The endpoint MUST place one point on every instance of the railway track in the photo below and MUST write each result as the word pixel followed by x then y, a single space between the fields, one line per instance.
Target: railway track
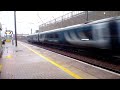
pixel 103 60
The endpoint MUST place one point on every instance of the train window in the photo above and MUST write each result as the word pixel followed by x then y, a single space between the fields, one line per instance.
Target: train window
pixel 86 33
pixel 76 32
pixel 47 35
pixel 56 35
pixel 42 36
pixel 69 34
pixel 51 36
pixel 118 23
pixel 113 29
pixel 39 36
pixel 105 30
pixel 101 30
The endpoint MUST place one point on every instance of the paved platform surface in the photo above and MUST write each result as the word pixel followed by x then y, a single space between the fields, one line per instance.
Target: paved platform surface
pixel 21 63
pixel 30 62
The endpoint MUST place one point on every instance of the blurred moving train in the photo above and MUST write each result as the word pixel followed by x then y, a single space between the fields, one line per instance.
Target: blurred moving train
pixel 101 34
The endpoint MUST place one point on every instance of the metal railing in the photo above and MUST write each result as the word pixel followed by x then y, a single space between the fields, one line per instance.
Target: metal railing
pixel 76 17
pixel 62 18
pixel 67 16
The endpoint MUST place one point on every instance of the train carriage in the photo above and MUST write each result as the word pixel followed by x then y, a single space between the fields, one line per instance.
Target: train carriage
pixel 101 34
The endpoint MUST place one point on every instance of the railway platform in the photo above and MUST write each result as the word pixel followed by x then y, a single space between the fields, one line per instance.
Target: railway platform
pixel 31 62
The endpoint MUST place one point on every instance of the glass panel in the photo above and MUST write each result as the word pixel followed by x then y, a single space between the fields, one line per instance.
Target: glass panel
pixel 86 33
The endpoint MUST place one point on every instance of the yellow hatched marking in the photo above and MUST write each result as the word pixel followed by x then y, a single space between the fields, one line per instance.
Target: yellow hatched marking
pixel 0 67
pixel 54 63
pixel 9 57
pixel 8 40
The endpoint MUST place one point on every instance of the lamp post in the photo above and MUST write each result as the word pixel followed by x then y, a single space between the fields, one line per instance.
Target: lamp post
pixel 31 30
pixel 87 16
pixel 15 28
pixel 29 23
pixel 32 27
pixel 12 38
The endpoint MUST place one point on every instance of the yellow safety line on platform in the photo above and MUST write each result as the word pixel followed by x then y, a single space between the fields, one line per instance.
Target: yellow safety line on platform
pixel 54 63
pixel 0 67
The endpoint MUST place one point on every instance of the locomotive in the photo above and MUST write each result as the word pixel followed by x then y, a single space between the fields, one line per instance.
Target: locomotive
pixel 100 34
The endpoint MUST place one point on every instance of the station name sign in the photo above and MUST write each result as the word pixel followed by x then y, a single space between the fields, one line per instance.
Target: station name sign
pixel 8 32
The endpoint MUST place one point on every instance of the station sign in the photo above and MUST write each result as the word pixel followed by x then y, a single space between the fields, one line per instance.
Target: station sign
pixel 8 32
